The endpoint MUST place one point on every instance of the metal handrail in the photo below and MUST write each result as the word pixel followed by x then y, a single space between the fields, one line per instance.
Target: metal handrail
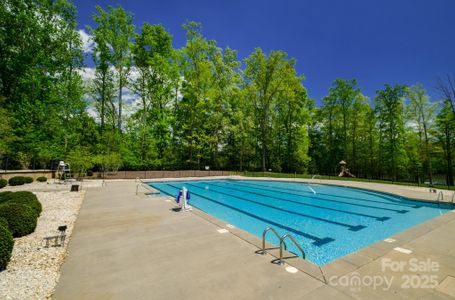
pixel 314 176
pixel 440 198
pixel 288 235
pixel 263 252
pixel 144 185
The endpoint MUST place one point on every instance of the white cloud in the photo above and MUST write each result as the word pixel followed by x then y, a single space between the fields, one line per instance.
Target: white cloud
pixel 87 41
pixel 87 74
pixel 130 99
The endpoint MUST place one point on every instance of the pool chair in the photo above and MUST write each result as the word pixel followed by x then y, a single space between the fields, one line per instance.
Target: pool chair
pixel 182 200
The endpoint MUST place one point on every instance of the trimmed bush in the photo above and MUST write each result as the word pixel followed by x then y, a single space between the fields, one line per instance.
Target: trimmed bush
pixel 25 198
pixel 3 183
pixel 3 222
pixel 21 218
pixel 41 179
pixel 4 196
pixel 28 179
pixel 16 180
pixel 6 246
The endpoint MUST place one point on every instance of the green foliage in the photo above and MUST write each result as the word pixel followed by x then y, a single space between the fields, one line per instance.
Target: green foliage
pixel 390 110
pixel 342 122
pixel 16 180
pixel 158 78
pixel 421 112
pixel 41 179
pixel 197 106
pixel 6 245
pixel 280 109
pixel 21 218
pixel 80 160
pixel 445 123
pixel 3 222
pixel 4 196
pixel 3 182
pixel 20 180
pixel 25 198
pixel 108 162
pixel 114 34
pixel 40 86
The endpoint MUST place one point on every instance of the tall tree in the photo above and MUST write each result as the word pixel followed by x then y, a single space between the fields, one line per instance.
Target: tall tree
pixel 447 88
pixel 240 146
pixel 225 88
pixel 291 124
pixel 359 134
pixel 345 92
pixel 103 84
pixel 445 122
pixel 116 26
pixel 328 116
pixel 390 113
pixel 421 111
pixel 39 78
pixel 264 76
pixel 191 110
pixel 154 59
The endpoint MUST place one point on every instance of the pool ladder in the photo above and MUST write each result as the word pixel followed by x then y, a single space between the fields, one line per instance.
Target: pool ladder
pixel 440 197
pixel 143 184
pixel 282 243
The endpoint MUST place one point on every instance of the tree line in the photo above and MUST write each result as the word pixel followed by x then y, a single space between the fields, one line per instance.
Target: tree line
pixel 199 105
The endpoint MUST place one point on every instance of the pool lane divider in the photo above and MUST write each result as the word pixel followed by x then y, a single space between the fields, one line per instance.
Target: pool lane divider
pixel 350 227
pixel 347 197
pixel 335 201
pixel 306 204
pixel 317 241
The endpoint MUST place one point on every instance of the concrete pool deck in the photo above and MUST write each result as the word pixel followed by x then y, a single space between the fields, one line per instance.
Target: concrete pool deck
pixel 128 246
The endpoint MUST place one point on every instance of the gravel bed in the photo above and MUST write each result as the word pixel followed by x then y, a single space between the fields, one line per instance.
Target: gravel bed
pixel 34 269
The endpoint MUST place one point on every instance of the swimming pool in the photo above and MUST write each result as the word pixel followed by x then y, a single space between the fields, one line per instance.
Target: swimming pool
pixel 327 221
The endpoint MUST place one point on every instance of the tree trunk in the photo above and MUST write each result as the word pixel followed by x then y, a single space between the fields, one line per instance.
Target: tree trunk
pixel 450 178
pixel 119 121
pixel 103 101
pixel 427 150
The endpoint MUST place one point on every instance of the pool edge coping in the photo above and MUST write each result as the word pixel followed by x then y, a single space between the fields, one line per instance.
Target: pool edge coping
pixel 339 266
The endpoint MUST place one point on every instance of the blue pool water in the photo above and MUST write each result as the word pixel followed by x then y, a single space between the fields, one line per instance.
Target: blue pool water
pixel 327 221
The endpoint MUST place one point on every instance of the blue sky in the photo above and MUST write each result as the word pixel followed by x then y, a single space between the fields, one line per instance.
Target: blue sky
pixel 374 41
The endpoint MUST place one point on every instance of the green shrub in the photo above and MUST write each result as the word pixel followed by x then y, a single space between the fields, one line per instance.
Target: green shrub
pixel 4 196
pixel 21 218
pixel 3 183
pixel 3 222
pixel 28 179
pixel 6 246
pixel 41 179
pixel 25 198
pixel 16 180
